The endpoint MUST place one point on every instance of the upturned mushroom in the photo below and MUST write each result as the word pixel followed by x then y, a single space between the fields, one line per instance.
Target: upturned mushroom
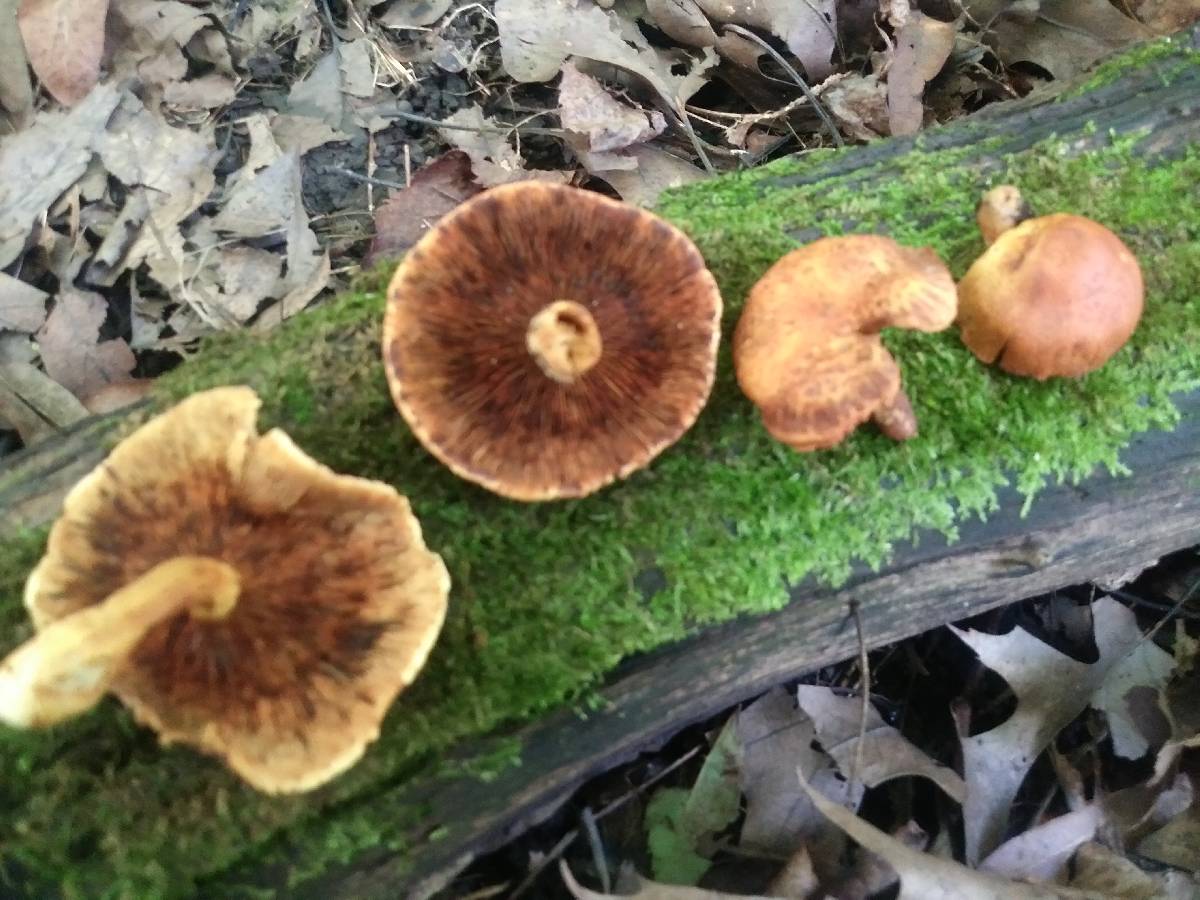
pixel 235 594
pixel 807 349
pixel 1053 295
pixel 544 341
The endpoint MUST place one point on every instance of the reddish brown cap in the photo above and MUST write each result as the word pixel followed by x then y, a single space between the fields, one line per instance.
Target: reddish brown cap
pixel 807 348
pixel 1057 295
pixel 327 601
pixel 544 341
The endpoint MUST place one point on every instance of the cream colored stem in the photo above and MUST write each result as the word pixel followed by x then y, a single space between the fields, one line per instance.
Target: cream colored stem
pixel 897 420
pixel 66 667
pixel 564 340
pixel 1001 208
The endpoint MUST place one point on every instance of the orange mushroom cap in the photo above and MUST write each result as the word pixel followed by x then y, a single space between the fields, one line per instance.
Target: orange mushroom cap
pixel 807 349
pixel 1057 295
pixel 544 341
pixel 244 598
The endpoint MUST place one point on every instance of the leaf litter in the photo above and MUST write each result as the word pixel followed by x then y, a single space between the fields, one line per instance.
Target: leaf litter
pixel 139 170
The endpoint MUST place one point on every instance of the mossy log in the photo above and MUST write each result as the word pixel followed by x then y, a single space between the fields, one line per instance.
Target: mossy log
pixel 584 631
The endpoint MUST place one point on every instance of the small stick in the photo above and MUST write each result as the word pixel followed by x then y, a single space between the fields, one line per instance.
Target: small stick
pixel 864 666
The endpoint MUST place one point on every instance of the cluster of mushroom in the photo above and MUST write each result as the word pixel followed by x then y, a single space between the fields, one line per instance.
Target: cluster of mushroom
pixel 543 342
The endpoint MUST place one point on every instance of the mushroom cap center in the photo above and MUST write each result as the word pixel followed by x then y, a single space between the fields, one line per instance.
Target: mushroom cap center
pixel 564 340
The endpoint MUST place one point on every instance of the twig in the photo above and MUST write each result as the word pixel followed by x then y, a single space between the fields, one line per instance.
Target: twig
pixel 864 667
pixel 681 112
pixel 795 76
pixel 366 179
pixel 481 129
pixel 593 835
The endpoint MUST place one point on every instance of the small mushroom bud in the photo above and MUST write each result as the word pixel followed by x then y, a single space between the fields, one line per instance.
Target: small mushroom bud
pixel 1055 295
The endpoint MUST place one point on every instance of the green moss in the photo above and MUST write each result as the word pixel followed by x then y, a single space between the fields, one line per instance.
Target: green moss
pixel 1174 52
pixel 545 600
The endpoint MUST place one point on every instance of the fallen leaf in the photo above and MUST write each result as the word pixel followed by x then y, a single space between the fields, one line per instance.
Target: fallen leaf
pixel 809 28
pixel 869 874
pixel 537 37
pixel 587 109
pixel 656 171
pixel 413 13
pixel 858 103
pixel 996 761
pixel 884 752
pixel 357 67
pixel 33 404
pixel 1168 16
pixel 922 47
pixel 22 306
pixel 923 876
pixel 1176 843
pixel 1098 869
pixel 261 203
pixel 1135 679
pixel 797 878
pixel 673 855
pixel 38 164
pixel 147 40
pixel 633 885
pixel 776 737
pixel 64 40
pixel 682 20
pixel 71 349
pixel 118 395
pixel 1040 853
pixel 303 133
pixel 493 159
pixel 203 92
pixel 16 87
pixel 319 95
pixel 436 189
pixel 1065 36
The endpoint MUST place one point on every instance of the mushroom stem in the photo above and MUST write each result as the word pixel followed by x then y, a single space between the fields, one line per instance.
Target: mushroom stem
pixel 897 420
pixel 1001 208
pixel 564 340
pixel 67 667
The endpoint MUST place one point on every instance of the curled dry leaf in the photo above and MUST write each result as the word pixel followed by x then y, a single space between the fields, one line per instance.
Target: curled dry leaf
pixel 64 40
pixel 923 876
pixel 72 351
pixel 996 761
pixel 435 190
pixel 885 753
pixel 859 103
pixel 922 47
pixel 809 28
pixel 603 122
pixel 1042 852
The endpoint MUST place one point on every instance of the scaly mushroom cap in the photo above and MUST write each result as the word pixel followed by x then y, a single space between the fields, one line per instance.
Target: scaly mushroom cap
pixel 1056 295
pixel 340 601
pixel 544 341
pixel 807 350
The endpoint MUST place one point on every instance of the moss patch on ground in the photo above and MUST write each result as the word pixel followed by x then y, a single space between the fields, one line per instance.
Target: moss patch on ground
pixel 544 599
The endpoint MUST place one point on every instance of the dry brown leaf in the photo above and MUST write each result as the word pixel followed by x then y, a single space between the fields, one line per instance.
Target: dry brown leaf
pixel 357 67
pixel 1098 869
pixel 64 40
pixel 630 884
pixel 808 27
pixel 656 171
pixel 22 306
pixel 38 164
pixel 260 203
pixel 858 103
pixel 72 351
pixel 1064 36
pixel 870 874
pixel 1040 853
pixel 603 123
pixel 1177 843
pixel 683 21
pixel 147 40
pixel 922 47
pixel 1168 16
pixel 435 190
pixel 302 133
pixel 1134 682
pixel 204 92
pixel 922 875
pixel 797 879
pixel 493 159
pixel 884 754
pixel 319 94
pixel 32 403
pixel 996 761
pixel 16 87
pixel 537 37
pixel 776 737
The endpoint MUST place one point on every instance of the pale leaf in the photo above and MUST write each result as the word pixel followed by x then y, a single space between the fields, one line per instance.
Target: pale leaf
pixel 72 352
pixel 587 109
pixel 922 47
pixel 922 875
pixel 34 404
pixel 22 306
pixel 64 40
pixel 16 87
pixel 884 754
pixel 656 171
pixel 808 27
pixel 1098 869
pixel 1040 853
pixel 633 885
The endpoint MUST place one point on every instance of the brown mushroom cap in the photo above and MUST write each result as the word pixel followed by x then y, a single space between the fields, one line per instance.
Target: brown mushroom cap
pixel 338 600
pixel 807 350
pixel 544 341
pixel 1057 295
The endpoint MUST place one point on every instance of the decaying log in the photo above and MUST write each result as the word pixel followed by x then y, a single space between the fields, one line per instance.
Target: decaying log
pixel 1071 532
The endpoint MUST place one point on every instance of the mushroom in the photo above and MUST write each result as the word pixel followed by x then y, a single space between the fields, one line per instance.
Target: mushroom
pixel 544 341
pixel 807 350
pixel 235 594
pixel 1055 295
